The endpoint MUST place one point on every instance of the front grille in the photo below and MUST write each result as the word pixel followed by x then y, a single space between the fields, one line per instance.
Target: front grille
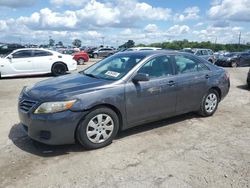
pixel 26 105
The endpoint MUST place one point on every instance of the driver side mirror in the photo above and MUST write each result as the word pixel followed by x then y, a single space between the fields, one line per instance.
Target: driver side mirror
pixel 140 77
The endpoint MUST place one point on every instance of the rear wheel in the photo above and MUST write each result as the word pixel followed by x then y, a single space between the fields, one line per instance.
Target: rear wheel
pixel 80 61
pixel 59 69
pixel 98 129
pixel 209 103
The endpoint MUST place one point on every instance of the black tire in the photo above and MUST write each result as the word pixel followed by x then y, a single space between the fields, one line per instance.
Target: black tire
pixel 95 56
pixel 203 110
pixel 59 69
pixel 81 132
pixel 234 64
pixel 80 61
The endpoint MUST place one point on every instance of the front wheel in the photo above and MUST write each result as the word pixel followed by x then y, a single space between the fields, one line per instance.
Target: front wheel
pixel 95 56
pixel 234 64
pixel 209 103
pixel 98 128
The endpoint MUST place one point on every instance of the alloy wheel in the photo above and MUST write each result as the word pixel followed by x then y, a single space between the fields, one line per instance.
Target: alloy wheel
pixel 100 128
pixel 211 102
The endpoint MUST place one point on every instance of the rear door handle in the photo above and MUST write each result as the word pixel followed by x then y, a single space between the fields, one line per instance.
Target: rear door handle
pixel 207 76
pixel 171 83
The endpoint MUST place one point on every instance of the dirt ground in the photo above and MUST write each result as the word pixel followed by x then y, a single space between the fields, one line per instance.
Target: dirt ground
pixel 185 151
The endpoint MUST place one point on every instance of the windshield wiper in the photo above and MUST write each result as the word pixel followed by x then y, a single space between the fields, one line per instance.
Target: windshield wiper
pixel 90 75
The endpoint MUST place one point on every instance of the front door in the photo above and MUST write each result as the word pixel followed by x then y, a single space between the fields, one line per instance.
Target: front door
pixel 153 99
pixel 21 62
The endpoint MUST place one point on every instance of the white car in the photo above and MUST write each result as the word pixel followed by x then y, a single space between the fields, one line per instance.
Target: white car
pixel 32 61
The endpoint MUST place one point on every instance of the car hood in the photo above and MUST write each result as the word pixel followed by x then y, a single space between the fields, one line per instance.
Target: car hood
pixel 66 87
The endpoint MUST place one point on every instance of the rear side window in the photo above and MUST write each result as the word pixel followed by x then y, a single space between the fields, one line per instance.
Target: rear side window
pixel 187 65
pixel 40 53
pixel 157 67
pixel 204 52
pixel 22 54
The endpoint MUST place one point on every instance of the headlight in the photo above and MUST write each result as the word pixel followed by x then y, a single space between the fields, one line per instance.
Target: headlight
pixel 53 107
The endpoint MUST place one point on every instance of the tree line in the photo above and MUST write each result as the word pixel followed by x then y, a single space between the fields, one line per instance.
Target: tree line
pixel 180 44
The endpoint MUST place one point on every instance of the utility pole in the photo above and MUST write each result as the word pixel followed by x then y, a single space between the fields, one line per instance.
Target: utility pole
pixel 102 41
pixel 239 38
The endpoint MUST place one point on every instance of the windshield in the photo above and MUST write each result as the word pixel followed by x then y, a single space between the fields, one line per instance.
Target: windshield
pixel 114 67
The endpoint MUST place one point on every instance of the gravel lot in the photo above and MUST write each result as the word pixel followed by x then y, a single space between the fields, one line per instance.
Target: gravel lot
pixel 185 151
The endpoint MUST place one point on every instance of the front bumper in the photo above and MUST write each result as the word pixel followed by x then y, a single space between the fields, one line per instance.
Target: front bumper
pixel 53 129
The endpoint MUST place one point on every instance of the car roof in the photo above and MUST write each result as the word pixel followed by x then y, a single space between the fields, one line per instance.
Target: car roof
pixel 139 48
pixel 151 52
pixel 20 49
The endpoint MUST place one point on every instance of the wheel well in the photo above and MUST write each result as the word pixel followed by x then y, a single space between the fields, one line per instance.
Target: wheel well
pixel 116 110
pixel 60 63
pixel 210 60
pixel 218 90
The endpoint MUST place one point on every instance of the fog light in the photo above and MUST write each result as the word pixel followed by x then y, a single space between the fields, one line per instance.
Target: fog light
pixel 45 135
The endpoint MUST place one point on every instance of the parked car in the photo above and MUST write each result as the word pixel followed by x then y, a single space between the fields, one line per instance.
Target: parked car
pixel 206 54
pixel 120 92
pixel 142 48
pixel 8 48
pixel 227 60
pixel 90 51
pixel 103 52
pixel 187 50
pixel 243 59
pixel 30 61
pixel 248 79
pixel 81 57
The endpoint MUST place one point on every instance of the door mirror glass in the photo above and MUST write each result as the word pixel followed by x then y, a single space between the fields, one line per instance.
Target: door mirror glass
pixel 141 77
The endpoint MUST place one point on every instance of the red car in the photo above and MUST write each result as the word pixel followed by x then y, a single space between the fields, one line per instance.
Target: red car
pixel 81 57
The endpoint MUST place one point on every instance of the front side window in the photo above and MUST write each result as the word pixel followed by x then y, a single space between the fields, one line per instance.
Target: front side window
pixel 204 52
pixel 198 53
pixel 114 67
pixel 157 67
pixel 186 65
pixel 22 54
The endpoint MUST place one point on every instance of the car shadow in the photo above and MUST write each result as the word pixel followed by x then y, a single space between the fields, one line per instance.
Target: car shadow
pixel 21 140
pixel 244 87
pixel 157 124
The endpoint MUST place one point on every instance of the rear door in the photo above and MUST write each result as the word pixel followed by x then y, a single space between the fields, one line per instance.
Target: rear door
pixel 192 78
pixel 42 60
pixel 153 99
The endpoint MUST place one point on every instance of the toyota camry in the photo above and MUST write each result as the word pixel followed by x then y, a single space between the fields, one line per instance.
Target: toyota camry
pixel 122 91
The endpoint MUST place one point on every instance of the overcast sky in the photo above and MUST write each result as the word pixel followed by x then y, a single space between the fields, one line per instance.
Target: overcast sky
pixel 144 21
